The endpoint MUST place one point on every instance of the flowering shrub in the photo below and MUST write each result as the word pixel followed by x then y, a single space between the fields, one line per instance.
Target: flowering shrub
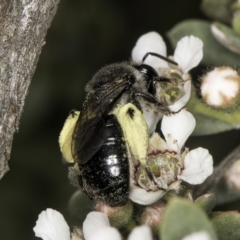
pixel 165 199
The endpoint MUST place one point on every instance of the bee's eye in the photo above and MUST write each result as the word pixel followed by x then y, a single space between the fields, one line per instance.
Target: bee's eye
pixel 149 74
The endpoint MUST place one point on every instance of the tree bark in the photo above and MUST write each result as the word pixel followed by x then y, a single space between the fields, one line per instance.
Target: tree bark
pixel 23 27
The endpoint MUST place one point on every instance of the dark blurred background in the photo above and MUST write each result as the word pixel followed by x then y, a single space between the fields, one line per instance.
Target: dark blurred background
pixel 84 36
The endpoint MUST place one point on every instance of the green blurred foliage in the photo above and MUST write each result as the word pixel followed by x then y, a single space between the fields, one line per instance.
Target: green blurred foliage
pixel 217 9
pixel 227 225
pixel 84 36
pixel 183 218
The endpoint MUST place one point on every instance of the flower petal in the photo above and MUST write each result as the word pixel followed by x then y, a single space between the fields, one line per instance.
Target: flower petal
pixel 176 129
pixel 105 233
pixel 178 105
pixel 150 42
pixel 141 196
pixel 141 233
pixel 93 222
pixel 152 118
pixel 51 225
pixel 198 236
pixel 198 165
pixel 188 53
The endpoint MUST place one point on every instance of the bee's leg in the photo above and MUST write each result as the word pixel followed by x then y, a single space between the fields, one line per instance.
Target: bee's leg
pixel 162 79
pixel 132 99
pixel 150 98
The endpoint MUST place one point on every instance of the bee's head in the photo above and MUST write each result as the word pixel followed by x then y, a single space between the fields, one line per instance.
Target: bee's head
pixel 149 74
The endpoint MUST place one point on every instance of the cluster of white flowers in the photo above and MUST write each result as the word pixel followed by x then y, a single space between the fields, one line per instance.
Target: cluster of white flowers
pixel 195 165
pixel 51 225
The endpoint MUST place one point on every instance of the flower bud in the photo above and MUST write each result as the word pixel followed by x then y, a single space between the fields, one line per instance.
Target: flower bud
pixel 152 216
pixel 232 175
pixel 118 216
pixel 220 87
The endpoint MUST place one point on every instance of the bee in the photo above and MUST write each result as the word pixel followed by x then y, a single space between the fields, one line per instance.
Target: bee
pixel 121 109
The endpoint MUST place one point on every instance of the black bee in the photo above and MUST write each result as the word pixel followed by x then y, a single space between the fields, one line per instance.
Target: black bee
pixel 99 145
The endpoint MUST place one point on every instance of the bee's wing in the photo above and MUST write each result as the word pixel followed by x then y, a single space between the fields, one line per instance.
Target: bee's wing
pixel 89 133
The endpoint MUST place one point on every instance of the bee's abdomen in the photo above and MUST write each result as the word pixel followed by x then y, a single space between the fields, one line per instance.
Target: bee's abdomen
pixel 106 175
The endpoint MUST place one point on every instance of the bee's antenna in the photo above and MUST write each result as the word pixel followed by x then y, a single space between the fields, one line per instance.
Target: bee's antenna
pixel 160 56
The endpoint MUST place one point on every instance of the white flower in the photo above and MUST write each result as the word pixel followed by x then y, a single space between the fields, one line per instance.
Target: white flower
pixel 198 163
pixel 51 226
pixel 96 227
pixel 220 87
pixel 188 54
pixel 198 236
pixel 174 163
pixel 144 197
pixel 141 233
pixel 150 42
pixel 176 129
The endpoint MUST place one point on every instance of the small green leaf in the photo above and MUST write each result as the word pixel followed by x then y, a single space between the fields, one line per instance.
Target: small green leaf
pixel 79 206
pixel 236 22
pixel 217 9
pixel 182 218
pixel 206 125
pixel 226 36
pixel 227 225
pixel 207 202
pixel 213 52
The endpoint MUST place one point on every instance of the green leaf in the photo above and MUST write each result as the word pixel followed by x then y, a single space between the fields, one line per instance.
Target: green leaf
pixel 226 36
pixel 206 125
pixel 213 52
pixel 182 218
pixel 227 225
pixel 217 9
pixel 207 202
pixel 79 206
pixel 236 22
